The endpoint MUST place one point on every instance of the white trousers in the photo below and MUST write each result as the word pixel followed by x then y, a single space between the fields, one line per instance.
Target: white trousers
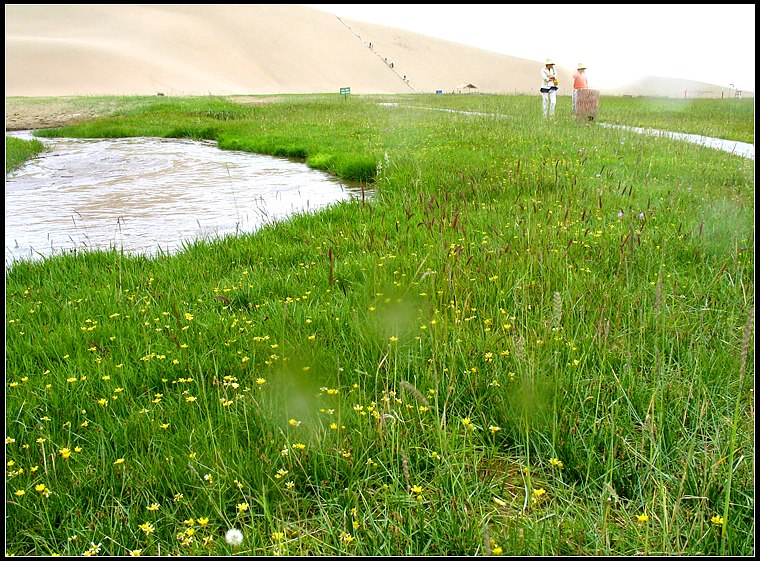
pixel 575 98
pixel 549 102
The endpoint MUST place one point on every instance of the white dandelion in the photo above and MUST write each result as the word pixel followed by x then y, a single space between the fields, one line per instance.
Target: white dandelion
pixel 234 537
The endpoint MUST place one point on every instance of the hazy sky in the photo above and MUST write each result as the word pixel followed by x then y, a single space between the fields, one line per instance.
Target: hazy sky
pixel 713 43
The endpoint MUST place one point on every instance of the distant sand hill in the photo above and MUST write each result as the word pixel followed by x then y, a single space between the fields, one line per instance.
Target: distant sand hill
pixel 180 49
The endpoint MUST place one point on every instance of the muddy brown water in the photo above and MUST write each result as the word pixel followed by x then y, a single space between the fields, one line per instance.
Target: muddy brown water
pixel 149 195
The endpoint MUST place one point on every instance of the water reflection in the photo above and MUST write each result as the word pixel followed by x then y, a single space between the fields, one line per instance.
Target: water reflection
pixel 148 194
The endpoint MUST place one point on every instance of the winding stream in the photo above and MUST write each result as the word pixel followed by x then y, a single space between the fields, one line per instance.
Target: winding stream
pixel 150 195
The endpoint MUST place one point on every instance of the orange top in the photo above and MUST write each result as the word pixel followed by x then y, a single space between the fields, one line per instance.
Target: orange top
pixel 579 80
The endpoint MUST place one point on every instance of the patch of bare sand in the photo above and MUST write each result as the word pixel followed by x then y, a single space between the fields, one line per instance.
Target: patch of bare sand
pixel 22 116
pixel 27 113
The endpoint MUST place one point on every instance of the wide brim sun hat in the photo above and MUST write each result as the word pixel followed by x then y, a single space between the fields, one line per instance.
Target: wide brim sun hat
pixel 581 66
pixel 549 61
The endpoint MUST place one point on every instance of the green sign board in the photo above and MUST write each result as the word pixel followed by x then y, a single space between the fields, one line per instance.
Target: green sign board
pixel 345 91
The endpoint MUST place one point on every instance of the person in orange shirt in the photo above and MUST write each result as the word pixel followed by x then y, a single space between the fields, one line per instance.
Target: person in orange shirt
pixel 579 82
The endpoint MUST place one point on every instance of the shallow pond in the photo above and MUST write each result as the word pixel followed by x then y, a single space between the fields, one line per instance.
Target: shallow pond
pixel 146 195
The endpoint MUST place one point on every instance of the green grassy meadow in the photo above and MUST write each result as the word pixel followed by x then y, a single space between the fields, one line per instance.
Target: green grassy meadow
pixel 533 339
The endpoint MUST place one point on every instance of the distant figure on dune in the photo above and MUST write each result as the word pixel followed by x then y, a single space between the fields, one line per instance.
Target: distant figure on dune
pixel 580 81
pixel 549 87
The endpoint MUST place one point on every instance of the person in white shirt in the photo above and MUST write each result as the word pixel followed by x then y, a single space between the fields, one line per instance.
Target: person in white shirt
pixel 549 88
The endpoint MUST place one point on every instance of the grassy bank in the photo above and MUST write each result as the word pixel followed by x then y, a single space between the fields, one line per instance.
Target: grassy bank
pixel 730 119
pixel 534 340
pixel 18 151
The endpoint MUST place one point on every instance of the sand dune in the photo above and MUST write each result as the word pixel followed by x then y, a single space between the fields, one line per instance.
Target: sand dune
pixel 179 49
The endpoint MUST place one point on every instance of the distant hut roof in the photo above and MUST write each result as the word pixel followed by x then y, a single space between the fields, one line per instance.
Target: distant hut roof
pixel 467 87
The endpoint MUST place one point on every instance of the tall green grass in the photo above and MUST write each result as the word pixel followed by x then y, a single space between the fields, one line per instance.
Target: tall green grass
pixel 730 119
pixel 19 151
pixel 533 340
